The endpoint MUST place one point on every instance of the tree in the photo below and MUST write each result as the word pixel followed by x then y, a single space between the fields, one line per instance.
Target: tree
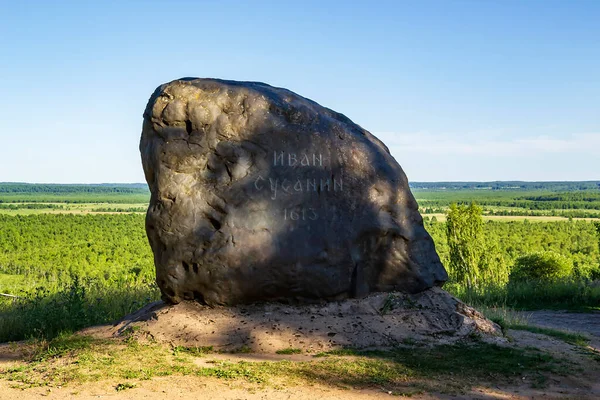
pixel 545 266
pixel 464 230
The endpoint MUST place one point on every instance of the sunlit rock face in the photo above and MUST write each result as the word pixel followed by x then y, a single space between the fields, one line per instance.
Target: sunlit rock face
pixel 259 194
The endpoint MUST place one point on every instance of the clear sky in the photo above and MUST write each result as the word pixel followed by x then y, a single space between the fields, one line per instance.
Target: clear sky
pixel 459 90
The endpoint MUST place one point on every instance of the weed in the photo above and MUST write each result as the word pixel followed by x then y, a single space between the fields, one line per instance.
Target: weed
pixel 388 304
pixel 197 351
pixel 289 351
pixel 124 386
pixel 61 345
pixel 242 350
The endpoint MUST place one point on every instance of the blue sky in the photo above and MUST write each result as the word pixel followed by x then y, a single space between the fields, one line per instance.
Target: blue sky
pixel 459 90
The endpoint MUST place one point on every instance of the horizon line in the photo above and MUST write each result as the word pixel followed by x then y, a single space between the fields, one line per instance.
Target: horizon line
pixel 409 181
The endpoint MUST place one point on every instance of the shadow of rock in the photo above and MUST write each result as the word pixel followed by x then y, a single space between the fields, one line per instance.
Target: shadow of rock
pixel 381 320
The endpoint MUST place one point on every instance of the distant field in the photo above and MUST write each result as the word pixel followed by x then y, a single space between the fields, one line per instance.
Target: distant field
pixel 543 201
pixel 74 197
pixel 71 208
pixel 442 218
pixel 501 205
pixel 57 193
pixel 499 186
pixel 534 200
pixel 27 199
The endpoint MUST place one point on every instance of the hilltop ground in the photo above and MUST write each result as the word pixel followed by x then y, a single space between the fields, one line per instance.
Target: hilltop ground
pixel 157 353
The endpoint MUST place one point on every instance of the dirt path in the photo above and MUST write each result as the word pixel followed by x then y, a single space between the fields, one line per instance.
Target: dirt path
pixel 585 323
pixel 189 387
pixel 177 387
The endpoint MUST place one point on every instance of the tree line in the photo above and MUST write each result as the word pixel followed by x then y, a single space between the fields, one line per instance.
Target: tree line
pixel 560 258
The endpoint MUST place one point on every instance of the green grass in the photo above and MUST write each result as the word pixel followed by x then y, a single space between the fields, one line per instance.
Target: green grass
pixel 61 345
pixel 10 283
pixel 44 314
pixel 504 317
pixel 447 368
pixel 568 337
pixel 570 295
pixel 197 351
pixel 508 319
pixel 242 350
pixel 289 350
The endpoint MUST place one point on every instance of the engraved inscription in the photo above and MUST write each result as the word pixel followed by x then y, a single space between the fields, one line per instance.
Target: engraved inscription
pixel 292 186
pixel 283 159
pixel 298 186
pixel 300 214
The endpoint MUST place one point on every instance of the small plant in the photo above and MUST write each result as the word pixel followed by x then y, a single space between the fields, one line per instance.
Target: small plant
pixel 346 351
pixel 124 386
pixel 243 349
pixel 289 351
pixel 504 317
pixel 194 350
pixel 388 305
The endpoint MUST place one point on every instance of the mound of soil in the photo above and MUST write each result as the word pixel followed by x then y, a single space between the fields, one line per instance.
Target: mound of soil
pixel 377 321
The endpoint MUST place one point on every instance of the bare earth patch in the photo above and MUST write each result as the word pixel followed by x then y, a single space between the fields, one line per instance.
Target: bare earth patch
pixel 194 388
pixel 437 348
pixel 380 320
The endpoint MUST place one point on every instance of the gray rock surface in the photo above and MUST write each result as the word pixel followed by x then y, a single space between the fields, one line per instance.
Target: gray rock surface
pixel 260 194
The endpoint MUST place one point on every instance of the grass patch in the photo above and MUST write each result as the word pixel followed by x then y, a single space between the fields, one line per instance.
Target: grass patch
pixel 508 319
pixel 504 317
pixel 569 337
pixel 45 314
pixel 60 346
pixel 478 359
pixel 448 368
pixel 197 351
pixel 242 350
pixel 289 351
pixel 570 295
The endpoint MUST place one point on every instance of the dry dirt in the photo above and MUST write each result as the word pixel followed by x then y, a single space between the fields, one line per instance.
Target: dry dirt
pixel 377 321
pixel 196 388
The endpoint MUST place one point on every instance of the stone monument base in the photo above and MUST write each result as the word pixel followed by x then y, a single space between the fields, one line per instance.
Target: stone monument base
pixel 381 320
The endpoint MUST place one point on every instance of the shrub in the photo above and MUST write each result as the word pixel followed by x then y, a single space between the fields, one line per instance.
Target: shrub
pixel 544 266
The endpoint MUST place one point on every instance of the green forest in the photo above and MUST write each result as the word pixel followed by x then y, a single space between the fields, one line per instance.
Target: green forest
pixel 75 193
pixel 84 266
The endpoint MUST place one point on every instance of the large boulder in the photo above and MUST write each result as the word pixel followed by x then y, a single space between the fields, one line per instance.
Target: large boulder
pixel 260 194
